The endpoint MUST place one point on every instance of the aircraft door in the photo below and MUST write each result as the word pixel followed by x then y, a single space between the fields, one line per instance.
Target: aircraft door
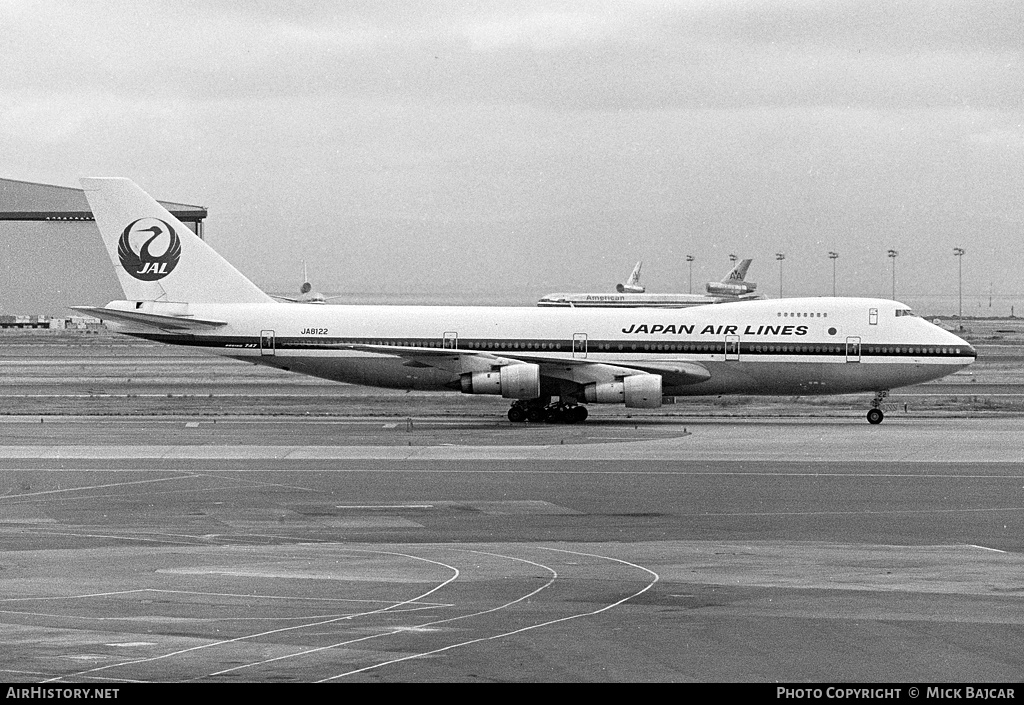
pixel 579 345
pixel 266 342
pixel 853 349
pixel 450 340
pixel 732 347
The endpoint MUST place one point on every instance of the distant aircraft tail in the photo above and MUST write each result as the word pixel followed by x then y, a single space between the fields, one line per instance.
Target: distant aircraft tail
pixel 156 257
pixel 632 285
pixel 734 284
pixel 737 273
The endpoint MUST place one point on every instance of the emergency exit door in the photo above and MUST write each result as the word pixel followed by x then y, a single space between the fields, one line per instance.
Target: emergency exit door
pixel 579 345
pixel 266 342
pixel 853 349
pixel 732 347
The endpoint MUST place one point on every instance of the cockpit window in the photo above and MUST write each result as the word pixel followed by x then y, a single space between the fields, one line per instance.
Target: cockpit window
pixel 904 312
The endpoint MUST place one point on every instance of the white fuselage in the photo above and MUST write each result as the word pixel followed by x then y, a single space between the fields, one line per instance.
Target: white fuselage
pixel 628 300
pixel 778 346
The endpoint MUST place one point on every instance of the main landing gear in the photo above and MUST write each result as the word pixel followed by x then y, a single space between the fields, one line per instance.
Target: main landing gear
pixel 875 414
pixel 552 413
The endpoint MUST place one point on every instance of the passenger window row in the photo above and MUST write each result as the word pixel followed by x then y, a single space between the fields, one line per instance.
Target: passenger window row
pixel 600 346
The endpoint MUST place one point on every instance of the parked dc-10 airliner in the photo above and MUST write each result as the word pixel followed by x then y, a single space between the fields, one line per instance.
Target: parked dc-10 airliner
pixel 550 362
pixel 733 287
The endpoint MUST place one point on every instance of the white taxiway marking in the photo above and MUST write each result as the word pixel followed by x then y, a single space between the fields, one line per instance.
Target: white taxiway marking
pixel 383 506
pixel 417 627
pixel 986 548
pixel 289 598
pixel 74 597
pixel 524 629
pixel 97 487
pixel 282 629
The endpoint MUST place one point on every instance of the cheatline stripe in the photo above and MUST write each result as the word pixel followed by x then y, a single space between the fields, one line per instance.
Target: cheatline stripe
pixel 594 346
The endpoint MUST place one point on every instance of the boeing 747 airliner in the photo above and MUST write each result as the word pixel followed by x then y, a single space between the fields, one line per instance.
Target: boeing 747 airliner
pixel 550 362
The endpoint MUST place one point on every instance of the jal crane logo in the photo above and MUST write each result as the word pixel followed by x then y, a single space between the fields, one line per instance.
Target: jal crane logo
pixel 143 264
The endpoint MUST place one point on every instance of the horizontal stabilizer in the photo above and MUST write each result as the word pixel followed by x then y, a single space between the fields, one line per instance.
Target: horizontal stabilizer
pixel 153 320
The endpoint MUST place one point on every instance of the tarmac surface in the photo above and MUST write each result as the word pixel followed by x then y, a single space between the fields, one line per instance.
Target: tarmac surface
pixel 464 548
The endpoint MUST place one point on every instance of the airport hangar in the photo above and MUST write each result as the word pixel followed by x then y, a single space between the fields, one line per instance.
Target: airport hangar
pixel 48 229
pixel 24 201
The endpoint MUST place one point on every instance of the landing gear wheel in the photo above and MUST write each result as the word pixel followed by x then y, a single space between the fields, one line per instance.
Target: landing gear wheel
pixel 556 414
pixel 875 416
pixel 536 414
pixel 516 414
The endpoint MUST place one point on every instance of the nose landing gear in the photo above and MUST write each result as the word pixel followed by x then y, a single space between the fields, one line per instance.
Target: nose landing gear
pixel 875 414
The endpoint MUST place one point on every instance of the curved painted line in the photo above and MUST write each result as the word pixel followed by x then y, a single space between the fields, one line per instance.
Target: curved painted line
pixel 277 631
pixel 402 630
pixel 524 629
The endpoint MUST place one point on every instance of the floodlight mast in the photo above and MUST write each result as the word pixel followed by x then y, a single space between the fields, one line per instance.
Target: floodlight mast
pixel 959 253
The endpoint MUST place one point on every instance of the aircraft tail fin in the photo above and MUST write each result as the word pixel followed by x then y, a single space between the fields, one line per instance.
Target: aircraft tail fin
pixel 632 285
pixel 156 257
pixel 634 278
pixel 737 273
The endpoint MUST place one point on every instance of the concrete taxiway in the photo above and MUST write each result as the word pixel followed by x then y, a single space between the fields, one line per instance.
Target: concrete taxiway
pixel 464 549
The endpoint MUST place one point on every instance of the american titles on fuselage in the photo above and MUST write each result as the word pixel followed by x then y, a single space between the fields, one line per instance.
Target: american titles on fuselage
pixel 689 329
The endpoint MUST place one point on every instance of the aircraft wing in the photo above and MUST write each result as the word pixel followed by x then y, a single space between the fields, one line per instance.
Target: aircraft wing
pixel 674 373
pixel 152 320
pixel 581 371
pixel 452 360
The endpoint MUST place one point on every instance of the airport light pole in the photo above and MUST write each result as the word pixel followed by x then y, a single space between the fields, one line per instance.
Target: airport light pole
pixel 690 258
pixel 779 256
pixel 959 252
pixel 892 256
pixel 733 258
pixel 833 256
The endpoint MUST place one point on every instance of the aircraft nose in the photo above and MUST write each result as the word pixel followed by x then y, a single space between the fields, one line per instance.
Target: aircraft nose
pixel 965 348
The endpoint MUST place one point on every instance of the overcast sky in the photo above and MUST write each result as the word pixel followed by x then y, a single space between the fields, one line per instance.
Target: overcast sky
pixel 503 150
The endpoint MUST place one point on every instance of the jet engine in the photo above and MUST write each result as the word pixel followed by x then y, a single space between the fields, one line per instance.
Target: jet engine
pixel 731 289
pixel 511 381
pixel 635 391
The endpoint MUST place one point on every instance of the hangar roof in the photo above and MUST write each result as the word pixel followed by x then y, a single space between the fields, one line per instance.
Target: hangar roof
pixel 24 200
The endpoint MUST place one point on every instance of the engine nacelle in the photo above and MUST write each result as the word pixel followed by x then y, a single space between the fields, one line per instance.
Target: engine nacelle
pixel 605 393
pixel 731 289
pixel 635 391
pixel 630 289
pixel 511 381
